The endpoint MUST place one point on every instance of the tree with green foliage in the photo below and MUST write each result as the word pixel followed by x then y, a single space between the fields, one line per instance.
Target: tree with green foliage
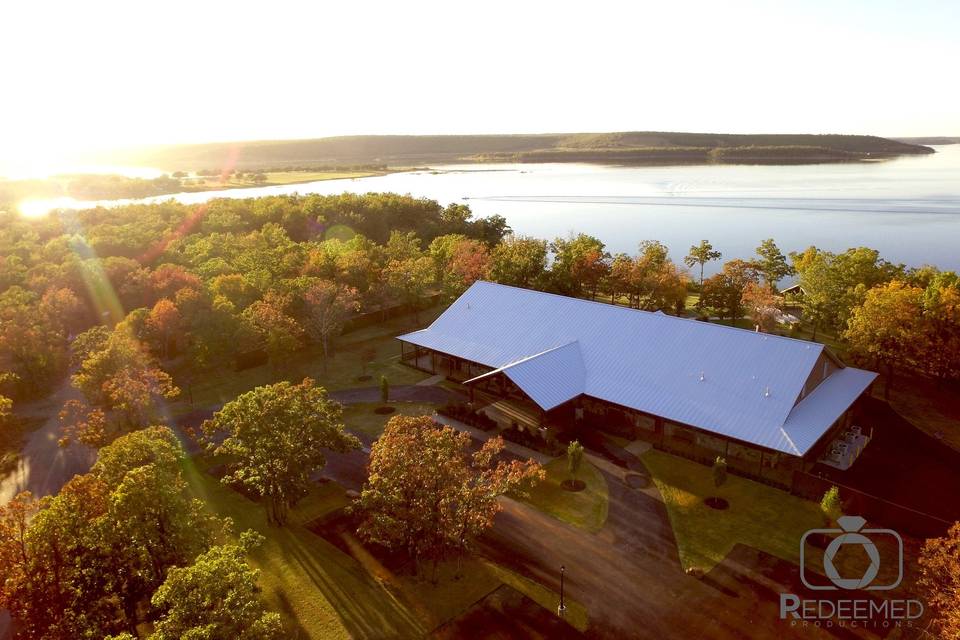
pixel 771 264
pixel 215 597
pixel 409 280
pixel 520 261
pixel 579 264
pixel 835 284
pixel 719 471
pixel 888 327
pixel 81 563
pixel 274 438
pixel 701 254
pixel 831 506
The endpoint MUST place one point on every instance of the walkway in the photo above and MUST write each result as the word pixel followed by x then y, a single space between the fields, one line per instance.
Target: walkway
pixel 44 466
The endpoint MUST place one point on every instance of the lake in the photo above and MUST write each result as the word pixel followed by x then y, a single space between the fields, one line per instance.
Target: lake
pixel 908 208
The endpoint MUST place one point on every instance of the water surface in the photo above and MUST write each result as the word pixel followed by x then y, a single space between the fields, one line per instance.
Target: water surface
pixel 908 208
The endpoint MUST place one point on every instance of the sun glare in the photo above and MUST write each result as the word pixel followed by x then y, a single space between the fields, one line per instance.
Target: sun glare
pixel 39 208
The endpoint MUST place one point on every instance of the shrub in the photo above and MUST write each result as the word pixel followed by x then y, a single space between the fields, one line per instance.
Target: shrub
pixel 830 505
pixel 719 471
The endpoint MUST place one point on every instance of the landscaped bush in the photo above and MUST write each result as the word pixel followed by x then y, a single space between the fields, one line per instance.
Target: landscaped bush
pixel 465 414
pixel 533 441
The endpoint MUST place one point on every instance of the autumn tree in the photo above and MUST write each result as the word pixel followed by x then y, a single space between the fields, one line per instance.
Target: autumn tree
pixel 427 495
pixel 700 255
pixel 723 292
pixel 888 327
pixel 80 564
pixel 940 580
pixel 276 328
pixel 274 438
pixel 762 305
pixel 163 325
pixel 215 597
pixel 328 306
pixel 469 262
pixel 122 380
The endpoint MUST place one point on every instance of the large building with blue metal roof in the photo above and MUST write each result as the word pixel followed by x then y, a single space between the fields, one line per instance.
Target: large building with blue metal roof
pixel 680 382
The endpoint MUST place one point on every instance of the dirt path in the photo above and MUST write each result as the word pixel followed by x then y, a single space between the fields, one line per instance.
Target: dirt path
pixel 44 467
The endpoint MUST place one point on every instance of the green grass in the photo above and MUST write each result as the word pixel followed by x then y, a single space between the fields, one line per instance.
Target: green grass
pixel 360 418
pixel 323 593
pixel 759 516
pixel 586 509
pixel 576 613
pixel 320 592
pixel 341 372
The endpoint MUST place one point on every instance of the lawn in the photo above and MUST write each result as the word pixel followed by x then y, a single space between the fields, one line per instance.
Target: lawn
pixel 586 509
pixel 759 516
pixel 347 364
pixel 360 418
pixel 322 592
pixel 319 592
pixel 576 613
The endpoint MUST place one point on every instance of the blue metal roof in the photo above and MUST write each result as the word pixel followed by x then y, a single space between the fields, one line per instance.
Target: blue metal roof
pixel 549 378
pixel 732 382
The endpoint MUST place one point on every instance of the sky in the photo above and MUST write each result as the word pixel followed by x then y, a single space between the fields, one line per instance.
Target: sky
pixel 101 74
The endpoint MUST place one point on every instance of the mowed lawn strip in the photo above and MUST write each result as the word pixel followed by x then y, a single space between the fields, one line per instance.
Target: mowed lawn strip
pixel 320 592
pixel 758 516
pixel 576 613
pixel 585 509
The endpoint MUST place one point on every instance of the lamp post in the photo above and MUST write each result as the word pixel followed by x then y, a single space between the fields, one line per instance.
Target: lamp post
pixel 562 608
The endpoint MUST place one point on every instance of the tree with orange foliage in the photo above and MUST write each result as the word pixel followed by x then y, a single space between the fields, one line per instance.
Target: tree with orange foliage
pixel 940 579
pixel 163 324
pixel 761 304
pixel 427 495
pixel 278 330
pixel 121 381
pixel 328 305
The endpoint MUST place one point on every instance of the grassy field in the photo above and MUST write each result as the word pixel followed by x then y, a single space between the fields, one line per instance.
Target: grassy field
pixel 759 516
pixel 323 593
pixel 360 418
pixel 586 509
pixel 279 177
pixel 341 372
pixel 319 592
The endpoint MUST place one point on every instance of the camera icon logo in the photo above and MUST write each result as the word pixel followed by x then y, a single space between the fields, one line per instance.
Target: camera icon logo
pixel 851 532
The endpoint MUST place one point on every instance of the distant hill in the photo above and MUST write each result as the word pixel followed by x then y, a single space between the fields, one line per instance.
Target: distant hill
pixel 627 147
pixel 930 140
